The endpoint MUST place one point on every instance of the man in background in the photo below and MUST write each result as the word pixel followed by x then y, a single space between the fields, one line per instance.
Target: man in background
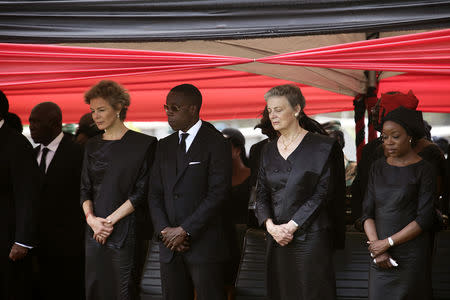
pixel 60 253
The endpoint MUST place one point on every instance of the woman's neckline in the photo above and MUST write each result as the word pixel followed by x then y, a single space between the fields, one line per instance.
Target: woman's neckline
pixel 293 151
pixel 411 164
pixel 126 132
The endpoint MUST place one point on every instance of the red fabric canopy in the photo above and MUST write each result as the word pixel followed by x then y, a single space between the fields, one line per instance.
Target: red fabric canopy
pixel 22 64
pixel 227 95
pixel 30 74
pixel 427 52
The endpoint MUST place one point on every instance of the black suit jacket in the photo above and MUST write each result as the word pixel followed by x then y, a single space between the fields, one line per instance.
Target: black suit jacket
pixel 61 221
pixel 195 197
pixel 18 191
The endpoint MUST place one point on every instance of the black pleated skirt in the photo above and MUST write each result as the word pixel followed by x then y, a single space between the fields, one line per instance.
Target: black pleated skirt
pixel 111 273
pixel 301 270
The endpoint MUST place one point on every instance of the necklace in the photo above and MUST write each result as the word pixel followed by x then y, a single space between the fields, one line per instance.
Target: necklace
pixel 292 140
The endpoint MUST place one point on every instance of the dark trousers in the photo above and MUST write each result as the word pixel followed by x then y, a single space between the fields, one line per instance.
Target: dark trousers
pixel 179 278
pixel 60 277
pixel 16 281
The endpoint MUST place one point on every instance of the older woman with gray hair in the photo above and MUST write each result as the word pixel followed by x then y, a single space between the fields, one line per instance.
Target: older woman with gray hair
pixel 300 198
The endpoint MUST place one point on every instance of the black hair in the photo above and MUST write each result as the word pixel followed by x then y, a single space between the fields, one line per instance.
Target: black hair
pixel 190 93
pixel 237 139
pixel 266 126
pixel 13 121
pixel 4 105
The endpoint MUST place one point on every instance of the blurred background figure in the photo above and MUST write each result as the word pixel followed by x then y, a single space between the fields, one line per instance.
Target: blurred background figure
pixel 86 129
pixel 240 175
pixel 442 143
pixel 254 159
pixel 333 128
pixel 240 194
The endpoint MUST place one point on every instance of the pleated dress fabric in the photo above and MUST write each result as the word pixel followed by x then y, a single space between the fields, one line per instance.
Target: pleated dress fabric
pixel 298 186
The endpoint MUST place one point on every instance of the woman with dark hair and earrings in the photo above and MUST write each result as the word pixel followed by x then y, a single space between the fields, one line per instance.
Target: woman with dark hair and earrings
pixel 114 183
pixel 398 212
pixel 300 200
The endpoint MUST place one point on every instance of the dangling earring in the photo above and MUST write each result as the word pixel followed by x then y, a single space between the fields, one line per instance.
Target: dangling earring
pixel 296 114
pixel 410 141
pixel 118 115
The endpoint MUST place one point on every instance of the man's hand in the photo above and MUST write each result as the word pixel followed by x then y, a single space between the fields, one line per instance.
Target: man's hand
pixel 17 252
pixel 173 237
pixel 183 247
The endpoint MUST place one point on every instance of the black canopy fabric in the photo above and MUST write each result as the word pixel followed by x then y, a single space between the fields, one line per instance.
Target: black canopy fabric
pixel 143 20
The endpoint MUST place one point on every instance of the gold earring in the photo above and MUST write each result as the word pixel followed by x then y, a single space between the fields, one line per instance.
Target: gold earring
pixel 296 114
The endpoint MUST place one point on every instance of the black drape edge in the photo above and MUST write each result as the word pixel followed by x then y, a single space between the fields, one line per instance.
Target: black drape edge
pixel 143 21
pixel 280 32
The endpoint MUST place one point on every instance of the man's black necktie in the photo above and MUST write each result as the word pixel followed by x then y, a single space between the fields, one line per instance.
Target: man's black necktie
pixel 181 152
pixel 43 163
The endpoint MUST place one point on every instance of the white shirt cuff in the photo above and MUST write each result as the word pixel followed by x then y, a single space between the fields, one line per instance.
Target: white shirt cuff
pixel 295 223
pixel 26 246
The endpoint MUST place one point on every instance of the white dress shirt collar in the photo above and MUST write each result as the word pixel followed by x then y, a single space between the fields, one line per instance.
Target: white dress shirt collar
pixel 53 146
pixel 192 133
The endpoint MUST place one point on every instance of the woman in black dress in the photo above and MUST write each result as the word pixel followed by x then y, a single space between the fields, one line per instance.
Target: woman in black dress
pixel 238 206
pixel 113 195
pixel 301 174
pixel 398 213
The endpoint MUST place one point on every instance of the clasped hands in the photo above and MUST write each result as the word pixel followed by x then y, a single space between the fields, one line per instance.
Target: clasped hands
pixel 378 250
pixel 102 228
pixel 282 234
pixel 175 238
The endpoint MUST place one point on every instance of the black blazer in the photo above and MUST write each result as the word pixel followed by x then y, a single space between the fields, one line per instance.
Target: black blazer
pixel 61 220
pixel 195 198
pixel 18 191
pixel 313 194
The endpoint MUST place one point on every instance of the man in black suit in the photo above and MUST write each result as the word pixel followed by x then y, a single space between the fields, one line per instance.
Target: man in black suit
pixel 18 197
pixel 60 228
pixel 189 186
